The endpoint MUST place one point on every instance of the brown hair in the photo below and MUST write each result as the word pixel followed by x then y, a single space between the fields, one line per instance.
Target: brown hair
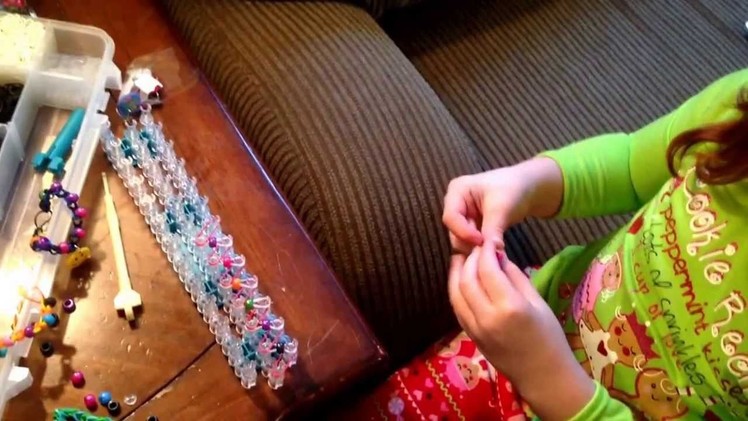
pixel 728 162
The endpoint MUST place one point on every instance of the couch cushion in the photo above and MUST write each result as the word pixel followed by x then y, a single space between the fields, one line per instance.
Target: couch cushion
pixel 355 139
pixel 378 7
pixel 522 76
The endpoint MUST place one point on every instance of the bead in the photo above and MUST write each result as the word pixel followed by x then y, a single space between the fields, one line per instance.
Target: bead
pixel 265 325
pixel 130 400
pixel 128 105
pixel 51 319
pixel 3 352
pixel 212 242
pixel 90 402
pixel 79 232
pixel 68 305
pixel 28 331
pixel 152 418
pixel 55 187
pixel 47 349
pixel 8 342
pixel 64 248
pixel 113 408
pixel 72 198
pixel 45 205
pixel 105 398
pixel 77 379
pixel 81 213
pixel 249 305
pixel 227 262
pixel 236 284
pixel 279 347
pixel 43 194
pixel 50 301
pixel 42 243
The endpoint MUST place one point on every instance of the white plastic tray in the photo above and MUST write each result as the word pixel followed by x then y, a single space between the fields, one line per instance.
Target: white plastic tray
pixel 72 69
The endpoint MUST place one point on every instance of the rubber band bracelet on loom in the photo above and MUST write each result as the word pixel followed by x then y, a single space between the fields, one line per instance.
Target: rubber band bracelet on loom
pixel 41 243
pixel 213 273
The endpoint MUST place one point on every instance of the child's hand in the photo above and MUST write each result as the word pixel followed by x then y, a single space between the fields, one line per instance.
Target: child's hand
pixel 481 207
pixel 499 308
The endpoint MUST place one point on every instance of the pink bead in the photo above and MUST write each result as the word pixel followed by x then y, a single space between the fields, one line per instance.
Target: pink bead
pixel 7 342
pixel 64 248
pixel 77 379
pixel 81 213
pixel 79 232
pixel 90 402
pixel 227 262
pixel 28 331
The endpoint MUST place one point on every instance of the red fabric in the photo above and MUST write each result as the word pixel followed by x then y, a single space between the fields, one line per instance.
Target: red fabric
pixel 452 381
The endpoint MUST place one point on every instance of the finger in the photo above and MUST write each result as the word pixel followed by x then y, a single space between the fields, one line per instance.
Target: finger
pixel 492 278
pixel 518 278
pixel 455 218
pixel 462 311
pixel 493 227
pixel 459 246
pixel 473 293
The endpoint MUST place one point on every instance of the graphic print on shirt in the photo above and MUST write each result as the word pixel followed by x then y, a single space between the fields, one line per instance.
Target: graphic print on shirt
pixel 656 396
pixel 465 367
pixel 601 281
pixel 625 341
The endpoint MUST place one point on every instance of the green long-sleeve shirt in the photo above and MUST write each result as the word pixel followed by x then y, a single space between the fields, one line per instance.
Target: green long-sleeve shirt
pixel 655 311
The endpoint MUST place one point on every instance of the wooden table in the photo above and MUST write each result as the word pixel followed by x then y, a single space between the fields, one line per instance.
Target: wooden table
pixel 169 359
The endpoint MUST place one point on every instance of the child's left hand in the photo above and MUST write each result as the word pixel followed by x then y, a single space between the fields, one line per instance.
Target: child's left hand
pixel 499 308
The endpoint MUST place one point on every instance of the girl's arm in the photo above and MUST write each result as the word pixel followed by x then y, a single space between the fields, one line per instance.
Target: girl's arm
pixel 618 172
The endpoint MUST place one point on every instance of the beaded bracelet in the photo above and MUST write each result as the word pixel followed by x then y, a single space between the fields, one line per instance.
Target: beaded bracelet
pixel 250 334
pixel 77 255
pixel 42 243
pixel 48 319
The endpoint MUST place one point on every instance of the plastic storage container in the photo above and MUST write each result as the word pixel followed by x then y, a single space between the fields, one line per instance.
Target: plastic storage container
pixel 71 68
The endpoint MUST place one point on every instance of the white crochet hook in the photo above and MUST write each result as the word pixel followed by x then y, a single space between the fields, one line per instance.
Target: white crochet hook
pixel 127 298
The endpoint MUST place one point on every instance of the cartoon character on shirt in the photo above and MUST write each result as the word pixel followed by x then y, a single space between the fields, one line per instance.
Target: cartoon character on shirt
pixel 465 366
pixel 625 341
pixel 601 281
pixel 655 397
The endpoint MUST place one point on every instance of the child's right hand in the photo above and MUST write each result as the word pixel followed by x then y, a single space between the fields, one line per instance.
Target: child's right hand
pixel 483 206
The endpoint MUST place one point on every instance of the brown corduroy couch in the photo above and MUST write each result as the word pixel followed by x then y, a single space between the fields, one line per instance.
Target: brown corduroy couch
pixel 363 112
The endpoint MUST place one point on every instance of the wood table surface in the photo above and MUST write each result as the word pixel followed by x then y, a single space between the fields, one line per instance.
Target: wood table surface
pixel 168 359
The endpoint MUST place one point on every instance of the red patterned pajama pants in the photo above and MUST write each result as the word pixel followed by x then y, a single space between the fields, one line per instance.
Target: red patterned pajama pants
pixel 453 381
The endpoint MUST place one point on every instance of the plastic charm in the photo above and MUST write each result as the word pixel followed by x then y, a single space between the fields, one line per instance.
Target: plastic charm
pixel 140 88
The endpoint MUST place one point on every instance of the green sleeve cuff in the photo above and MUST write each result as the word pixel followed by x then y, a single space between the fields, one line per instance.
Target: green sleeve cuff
pixel 603 407
pixel 596 177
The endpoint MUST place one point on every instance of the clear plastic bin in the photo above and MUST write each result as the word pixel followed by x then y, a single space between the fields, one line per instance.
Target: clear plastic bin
pixel 72 69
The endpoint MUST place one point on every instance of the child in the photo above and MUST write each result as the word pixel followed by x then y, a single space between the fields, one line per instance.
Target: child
pixel 652 319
